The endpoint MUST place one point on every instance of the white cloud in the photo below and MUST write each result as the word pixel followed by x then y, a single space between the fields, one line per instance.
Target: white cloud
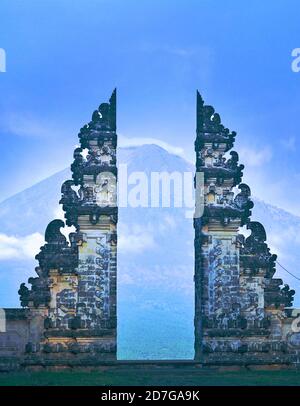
pixel 272 189
pixel 126 279
pixel 255 157
pixel 174 276
pixel 168 222
pixel 25 124
pixel 139 141
pixel 12 247
pixel 134 239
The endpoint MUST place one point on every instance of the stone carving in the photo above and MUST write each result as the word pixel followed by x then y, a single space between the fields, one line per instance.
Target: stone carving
pixel 242 313
pixel 236 294
pixel 57 253
pixel 75 291
pixel 255 254
pixel 38 295
pixel 211 129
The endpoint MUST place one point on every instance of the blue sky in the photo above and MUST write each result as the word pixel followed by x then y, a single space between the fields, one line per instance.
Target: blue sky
pixel 65 57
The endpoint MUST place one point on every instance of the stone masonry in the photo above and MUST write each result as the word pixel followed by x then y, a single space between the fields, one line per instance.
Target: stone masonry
pixel 243 314
pixel 72 303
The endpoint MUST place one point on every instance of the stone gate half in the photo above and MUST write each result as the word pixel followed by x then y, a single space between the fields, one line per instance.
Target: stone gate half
pixel 242 313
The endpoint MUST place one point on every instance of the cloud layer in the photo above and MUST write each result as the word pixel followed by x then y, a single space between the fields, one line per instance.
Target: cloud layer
pixel 12 247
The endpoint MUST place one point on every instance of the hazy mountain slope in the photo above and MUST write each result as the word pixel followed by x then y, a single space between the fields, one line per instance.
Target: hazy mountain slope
pixel 30 210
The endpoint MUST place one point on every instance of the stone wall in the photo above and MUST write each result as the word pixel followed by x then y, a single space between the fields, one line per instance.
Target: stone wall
pixel 13 341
